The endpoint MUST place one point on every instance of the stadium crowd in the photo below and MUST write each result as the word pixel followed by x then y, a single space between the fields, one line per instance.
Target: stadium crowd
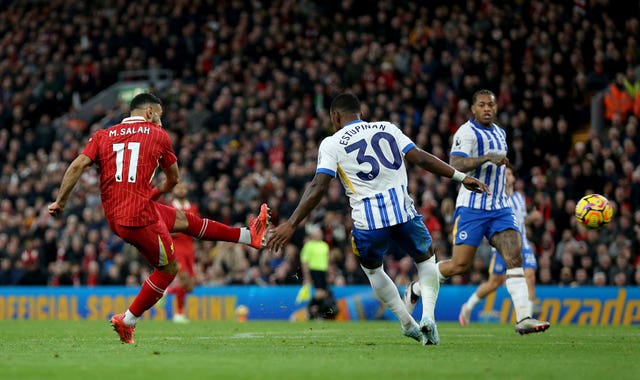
pixel 249 106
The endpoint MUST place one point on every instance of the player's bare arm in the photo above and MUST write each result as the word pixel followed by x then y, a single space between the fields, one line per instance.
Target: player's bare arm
pixel 428 161
pixel 466 164
pixel 310 199
pixel 172 177
pixel 69 181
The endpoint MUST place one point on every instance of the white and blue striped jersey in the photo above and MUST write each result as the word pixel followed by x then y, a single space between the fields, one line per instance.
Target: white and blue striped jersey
pixel 474 140
pixel 519 206
pixel 368 157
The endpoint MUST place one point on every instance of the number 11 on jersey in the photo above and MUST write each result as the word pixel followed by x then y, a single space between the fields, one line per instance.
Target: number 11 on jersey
pixel 134 147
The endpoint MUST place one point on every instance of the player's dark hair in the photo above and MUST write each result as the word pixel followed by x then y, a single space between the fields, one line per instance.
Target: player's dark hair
pixel 484 91
pixel 346 102
pixel 141 100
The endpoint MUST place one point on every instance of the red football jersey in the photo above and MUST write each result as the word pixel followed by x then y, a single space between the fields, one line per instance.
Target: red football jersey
pixel 128 155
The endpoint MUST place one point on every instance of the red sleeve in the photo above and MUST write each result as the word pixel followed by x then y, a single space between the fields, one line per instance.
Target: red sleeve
pixel 91 149
pixel 168 156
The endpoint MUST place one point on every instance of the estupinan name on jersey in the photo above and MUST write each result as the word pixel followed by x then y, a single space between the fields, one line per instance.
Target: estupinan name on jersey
pixel 350 132
pixel 129 131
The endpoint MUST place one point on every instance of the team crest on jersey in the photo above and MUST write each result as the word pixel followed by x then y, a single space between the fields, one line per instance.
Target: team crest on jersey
pixel 457 142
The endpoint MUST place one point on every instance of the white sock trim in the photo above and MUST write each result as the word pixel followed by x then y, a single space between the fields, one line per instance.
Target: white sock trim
pixel 129 318
pixel 245 236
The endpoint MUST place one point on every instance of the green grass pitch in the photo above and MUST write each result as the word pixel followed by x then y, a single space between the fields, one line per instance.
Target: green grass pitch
pixel 281 350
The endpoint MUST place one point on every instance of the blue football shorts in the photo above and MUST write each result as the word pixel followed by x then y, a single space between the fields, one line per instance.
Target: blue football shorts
pixel 471 225
pixel 410 238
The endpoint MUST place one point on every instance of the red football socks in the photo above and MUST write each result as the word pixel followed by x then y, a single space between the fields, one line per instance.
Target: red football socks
pixel 207 229
pixel 151 291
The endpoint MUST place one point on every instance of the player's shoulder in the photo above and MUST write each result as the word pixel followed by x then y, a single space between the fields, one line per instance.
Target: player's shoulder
pixel 466 127
pixel 385 125
pixel 499 128
pixel 97 134
pixel 329 144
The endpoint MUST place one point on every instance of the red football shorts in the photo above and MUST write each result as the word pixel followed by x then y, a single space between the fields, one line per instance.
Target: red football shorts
pixel 167 214
pixel 154 241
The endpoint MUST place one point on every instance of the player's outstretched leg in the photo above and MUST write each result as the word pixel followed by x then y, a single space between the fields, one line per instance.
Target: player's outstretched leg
pixel 210 230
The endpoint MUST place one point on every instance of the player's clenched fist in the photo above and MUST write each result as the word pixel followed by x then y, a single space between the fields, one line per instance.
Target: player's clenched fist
pixel 55 209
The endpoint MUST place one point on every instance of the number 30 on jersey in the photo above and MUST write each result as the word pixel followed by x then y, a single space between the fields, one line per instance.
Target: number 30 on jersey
pixel 361 147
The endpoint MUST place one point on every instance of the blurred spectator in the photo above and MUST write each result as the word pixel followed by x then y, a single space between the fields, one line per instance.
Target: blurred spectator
pixel 636 276
pixel 31 272
pixel 581 278
pixel 599 279
pixel 617 101
pixel 9 275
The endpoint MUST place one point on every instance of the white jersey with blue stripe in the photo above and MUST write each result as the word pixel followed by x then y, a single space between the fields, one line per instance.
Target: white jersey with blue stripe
pixel 368 157
pixel 475 140
pixel 519 206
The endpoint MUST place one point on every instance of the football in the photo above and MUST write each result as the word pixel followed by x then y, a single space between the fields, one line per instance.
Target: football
pixel 594 211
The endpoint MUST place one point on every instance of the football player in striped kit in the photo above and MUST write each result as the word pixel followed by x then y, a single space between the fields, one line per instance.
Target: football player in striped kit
pixel 368 158
pixel 480 149
pixel 497 269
